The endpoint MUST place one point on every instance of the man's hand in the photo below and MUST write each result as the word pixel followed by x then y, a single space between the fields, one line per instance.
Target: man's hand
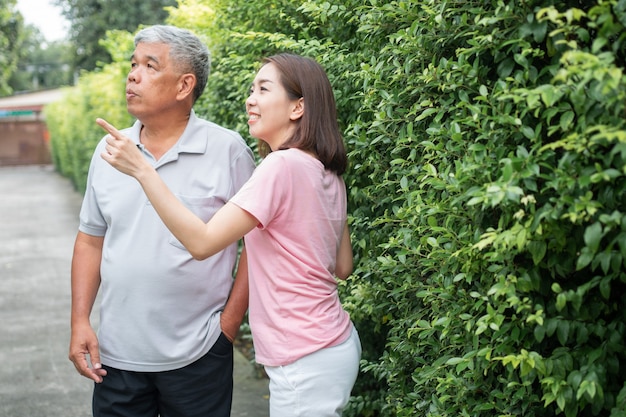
pixel 82 344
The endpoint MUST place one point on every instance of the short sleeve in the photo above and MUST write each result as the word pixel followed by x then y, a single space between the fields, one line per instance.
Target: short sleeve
pixel 263 196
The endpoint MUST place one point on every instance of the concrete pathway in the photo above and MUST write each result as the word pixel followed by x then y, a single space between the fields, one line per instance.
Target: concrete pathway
pixel 38 223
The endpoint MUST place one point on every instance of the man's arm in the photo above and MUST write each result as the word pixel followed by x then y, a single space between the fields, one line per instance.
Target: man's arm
pixel 237 304
pixel 85 285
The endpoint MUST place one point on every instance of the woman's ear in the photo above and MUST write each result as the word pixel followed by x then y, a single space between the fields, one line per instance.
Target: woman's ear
pixel 297 110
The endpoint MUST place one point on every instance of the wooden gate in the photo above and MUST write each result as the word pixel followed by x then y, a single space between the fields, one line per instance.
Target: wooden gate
pixel 24 136
pixel 23 142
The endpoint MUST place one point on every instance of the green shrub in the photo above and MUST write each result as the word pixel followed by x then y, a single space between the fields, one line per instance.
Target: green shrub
pixel 487 209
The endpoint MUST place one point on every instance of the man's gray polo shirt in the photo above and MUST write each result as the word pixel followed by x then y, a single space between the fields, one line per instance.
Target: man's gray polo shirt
pixel 160 307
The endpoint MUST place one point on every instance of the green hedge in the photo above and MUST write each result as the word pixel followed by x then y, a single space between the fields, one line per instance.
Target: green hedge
pixel 72 120
pixel 487 148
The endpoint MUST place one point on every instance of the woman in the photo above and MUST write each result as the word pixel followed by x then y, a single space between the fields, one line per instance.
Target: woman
pixel 292 213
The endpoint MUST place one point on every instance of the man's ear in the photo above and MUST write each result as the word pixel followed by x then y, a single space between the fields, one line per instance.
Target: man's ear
pixel 186 84
pixel 297 110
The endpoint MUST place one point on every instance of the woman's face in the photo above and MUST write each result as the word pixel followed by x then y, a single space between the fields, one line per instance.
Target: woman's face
pixel 272 115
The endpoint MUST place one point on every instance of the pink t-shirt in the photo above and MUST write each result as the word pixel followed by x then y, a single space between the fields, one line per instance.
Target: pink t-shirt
pixel 301 208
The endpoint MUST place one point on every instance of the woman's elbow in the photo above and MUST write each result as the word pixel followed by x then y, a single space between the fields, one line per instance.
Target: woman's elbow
pixel 199 253
pixel 199 256
pixel 343 271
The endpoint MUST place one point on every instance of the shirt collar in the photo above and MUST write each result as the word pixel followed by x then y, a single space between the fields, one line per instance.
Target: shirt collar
pixel 189 141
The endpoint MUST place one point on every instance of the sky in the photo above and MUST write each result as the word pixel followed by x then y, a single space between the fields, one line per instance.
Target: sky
pixel 46 16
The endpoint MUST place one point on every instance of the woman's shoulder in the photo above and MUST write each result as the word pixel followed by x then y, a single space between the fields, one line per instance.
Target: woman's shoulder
pixel 292 157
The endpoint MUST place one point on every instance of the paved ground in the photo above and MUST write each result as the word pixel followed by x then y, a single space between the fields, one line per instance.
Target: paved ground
pixel 38 221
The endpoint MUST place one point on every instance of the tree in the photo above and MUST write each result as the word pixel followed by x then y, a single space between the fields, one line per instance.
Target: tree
pixel 11 33
pixel 42 64
pixel 90 19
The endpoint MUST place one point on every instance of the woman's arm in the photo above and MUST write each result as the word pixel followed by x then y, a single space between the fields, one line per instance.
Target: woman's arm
pixel 344 265
pixel 202 240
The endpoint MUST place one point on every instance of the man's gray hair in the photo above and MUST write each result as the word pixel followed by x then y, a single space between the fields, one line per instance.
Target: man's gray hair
pixel 187 51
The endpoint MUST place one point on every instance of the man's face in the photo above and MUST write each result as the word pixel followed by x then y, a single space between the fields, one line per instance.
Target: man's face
pixel 153 81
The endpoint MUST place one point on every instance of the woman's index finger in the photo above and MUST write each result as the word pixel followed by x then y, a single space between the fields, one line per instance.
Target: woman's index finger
pixel 108 127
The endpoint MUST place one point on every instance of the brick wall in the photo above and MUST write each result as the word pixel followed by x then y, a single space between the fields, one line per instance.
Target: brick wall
pixel 23 142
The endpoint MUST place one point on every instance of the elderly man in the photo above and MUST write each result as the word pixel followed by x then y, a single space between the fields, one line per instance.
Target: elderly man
pixel 164 344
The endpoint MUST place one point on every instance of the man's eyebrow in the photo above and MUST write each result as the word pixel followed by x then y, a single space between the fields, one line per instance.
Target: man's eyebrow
pixel 150 58
pixel 153 58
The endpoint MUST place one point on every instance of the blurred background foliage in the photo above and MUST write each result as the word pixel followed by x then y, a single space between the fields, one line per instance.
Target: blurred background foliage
pixel 30 62
pixel 11 38
pixel 91 19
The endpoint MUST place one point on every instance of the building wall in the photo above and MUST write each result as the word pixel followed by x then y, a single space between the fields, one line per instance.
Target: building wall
pixel 23 142
pixel 23 131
